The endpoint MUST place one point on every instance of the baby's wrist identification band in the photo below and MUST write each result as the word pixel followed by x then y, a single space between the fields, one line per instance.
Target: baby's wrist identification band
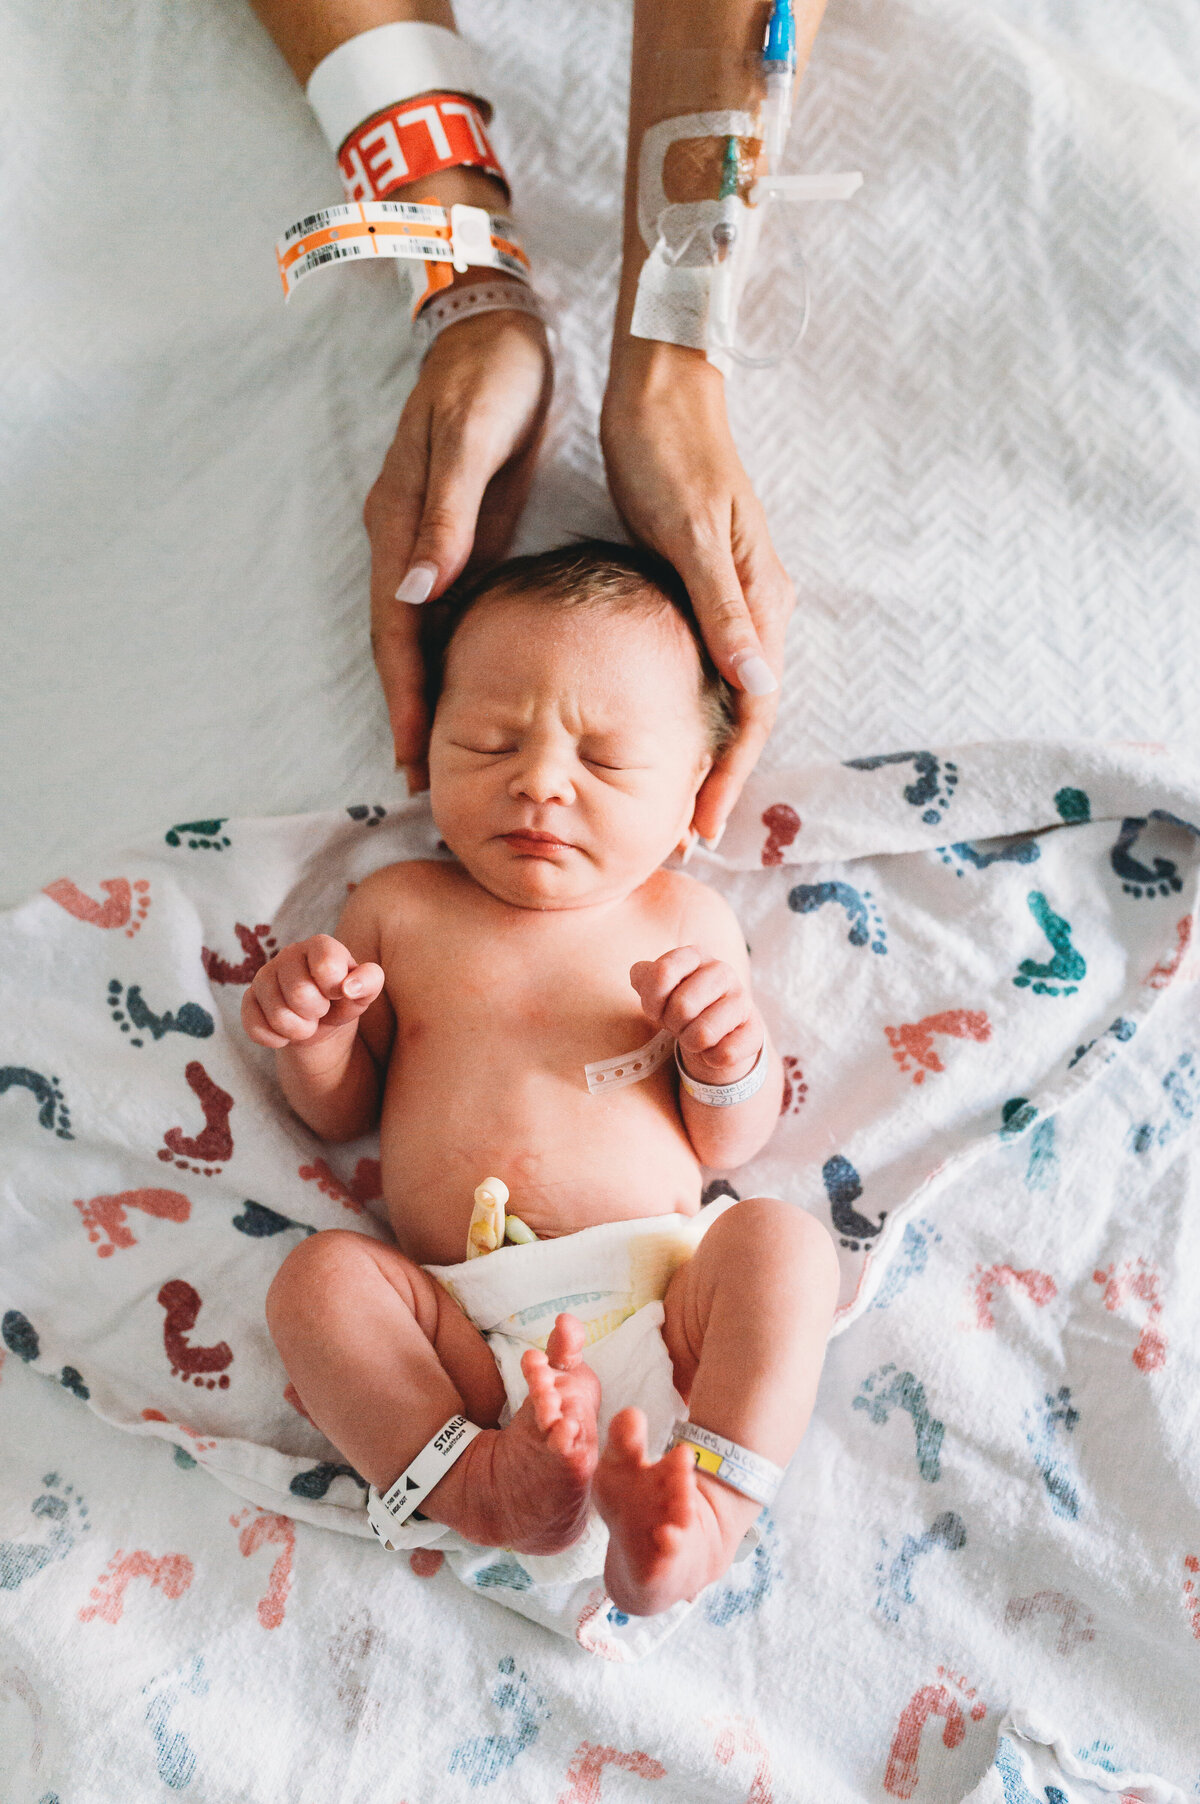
pixel 749 1473
pixel 724 1096
pixel 418 1479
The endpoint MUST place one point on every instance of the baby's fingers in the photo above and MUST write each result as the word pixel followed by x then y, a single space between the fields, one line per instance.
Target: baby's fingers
pixel 256 1026
pixel 361 987
pixel 655 979
pixel 278 1014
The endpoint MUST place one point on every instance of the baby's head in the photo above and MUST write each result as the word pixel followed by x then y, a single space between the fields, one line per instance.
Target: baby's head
pixel 572 699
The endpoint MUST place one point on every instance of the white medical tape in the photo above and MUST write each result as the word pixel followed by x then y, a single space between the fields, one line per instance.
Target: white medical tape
pixel 387 64
pixel 394 228
pixel 749 1473
pixel 629 1067
pixel 418 1479
pixel 724 1096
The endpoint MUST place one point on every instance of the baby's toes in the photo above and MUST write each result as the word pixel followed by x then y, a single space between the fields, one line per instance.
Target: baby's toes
pixel 566 1342
pixel 627 1438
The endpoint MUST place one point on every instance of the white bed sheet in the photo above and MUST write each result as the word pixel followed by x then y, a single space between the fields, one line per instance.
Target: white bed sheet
pixel 982 472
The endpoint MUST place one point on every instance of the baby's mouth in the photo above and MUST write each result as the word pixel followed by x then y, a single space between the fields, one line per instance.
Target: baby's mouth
pixel 526 839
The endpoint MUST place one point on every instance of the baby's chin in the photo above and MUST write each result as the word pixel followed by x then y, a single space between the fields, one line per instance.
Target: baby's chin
pixel 566 880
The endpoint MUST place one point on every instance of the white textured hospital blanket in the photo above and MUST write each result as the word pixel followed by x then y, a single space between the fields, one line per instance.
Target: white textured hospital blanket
pixel 991 1042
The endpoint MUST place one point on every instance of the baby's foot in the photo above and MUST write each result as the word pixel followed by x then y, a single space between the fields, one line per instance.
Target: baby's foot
pixel 670 1531
pixel 527 1486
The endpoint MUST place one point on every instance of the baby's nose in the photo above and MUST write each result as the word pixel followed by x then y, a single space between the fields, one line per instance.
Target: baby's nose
pixel 545 775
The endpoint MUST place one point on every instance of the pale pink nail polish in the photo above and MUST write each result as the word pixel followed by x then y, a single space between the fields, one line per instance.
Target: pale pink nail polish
pixel 417 584
pixel 755 674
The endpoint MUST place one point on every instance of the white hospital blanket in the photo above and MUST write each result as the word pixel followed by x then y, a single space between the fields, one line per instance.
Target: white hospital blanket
pixel 994 1078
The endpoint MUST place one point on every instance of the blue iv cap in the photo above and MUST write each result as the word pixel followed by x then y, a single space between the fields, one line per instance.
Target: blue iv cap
pixel 779 50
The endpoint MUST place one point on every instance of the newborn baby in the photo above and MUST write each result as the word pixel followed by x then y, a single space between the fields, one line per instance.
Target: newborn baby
pixel 457 1004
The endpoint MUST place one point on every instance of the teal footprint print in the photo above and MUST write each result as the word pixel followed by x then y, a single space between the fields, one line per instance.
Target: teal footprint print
pixel 482 1759
pixel 53 1112
pixel 843 1187
pixel 747 1584
pixel 909 1263
pixel 1043 1430
pixel 174 1757
pixel 895 1577
pixel 1120 1030
pixel 1016 1116
pixel 933 782
pixel 259 1223
pixel 1042 1170
pixel 888 1389
pixel 136 1015
pixel 370 814
pixel 199 836
pixel 1136 878
pixel 1062 975
pixel 21 1337
pixel 1012 1778
pixel 1074 808
pixel 866 922
pixel 315 1482
pixel 66 1514
pixel 502 1575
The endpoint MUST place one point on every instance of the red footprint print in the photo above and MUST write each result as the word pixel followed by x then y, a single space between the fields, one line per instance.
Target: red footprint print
pixel 912 1044
pixel 739 1733
pixel 106 1215
pixel 1075 1621
pixel 257 944
pixel 1191 1594
pixel 1167 969
pixel 590 1632
pixel 1039 1287
pixel 782 824
pixel 215 1143
pixel 199 1441
pixel 900 1780
pixel 589 1761
pixel 795 1090
pixel 171 1573
pixel 183 1305
pixel 113 913
pixel 329 1184
pixel 259 1529
pixel 1139 1280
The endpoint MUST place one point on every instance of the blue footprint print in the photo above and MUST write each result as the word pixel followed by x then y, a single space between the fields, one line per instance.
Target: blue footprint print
pixel 1064 972
pixel 932 783
pixel 259 1222
pixel 137 1015
pixel 964 853
pixel 895 1588
pixel 1138 879
pixel 747 1584
pixel 1042 1171
pixel 1120 1030
pixel 53 1112
pixel 318 1479
pixel 843 1187
pixel 502 1575
pixel 482 1759
pixel 909 1263
pixel 1182 1087
pixel 21 1337
pixel 1042 1430
pixel 1012 1779
pixel 66 1513
pixel 173 1752
pixel 889 1389
pixel 1016 1116
pixel 370 814
pixel 865 918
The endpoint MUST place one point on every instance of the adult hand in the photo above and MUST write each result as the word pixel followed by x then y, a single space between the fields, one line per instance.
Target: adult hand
pixel 680 488
pixel 451 489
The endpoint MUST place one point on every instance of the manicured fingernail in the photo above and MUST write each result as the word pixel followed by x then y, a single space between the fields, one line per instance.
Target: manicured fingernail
pixel 755 674
pixel 417 584
pixel 710 845
pixel 689 848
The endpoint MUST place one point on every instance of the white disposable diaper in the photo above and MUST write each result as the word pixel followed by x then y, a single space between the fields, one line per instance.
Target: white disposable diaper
pixel 612 1278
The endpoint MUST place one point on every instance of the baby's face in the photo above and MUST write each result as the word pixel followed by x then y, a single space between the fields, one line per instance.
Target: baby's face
pixel 567 749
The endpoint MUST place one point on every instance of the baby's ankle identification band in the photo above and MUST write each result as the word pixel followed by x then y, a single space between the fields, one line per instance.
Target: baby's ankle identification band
pixel 749 1473
pixel 418 1479
pixel 724 1096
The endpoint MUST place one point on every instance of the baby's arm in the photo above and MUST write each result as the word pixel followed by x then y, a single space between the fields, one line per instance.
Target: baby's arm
pixel 320 1003
pixel 701 993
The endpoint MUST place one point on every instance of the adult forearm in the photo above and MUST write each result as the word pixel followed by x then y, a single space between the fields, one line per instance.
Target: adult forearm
pixel 691 56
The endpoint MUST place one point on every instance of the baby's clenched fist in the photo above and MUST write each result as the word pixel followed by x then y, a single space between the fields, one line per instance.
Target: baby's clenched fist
pixel 307 993
pixel 708 1008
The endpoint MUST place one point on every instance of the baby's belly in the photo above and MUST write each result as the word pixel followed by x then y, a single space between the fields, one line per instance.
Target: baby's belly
pixel 569 1159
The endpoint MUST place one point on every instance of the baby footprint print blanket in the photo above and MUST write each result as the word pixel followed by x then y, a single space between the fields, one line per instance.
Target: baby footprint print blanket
pixel 979 966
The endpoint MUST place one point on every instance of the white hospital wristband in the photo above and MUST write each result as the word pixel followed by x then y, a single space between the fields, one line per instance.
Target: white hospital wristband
pixel 418 1479
pixel 724 1096
pixel 390 63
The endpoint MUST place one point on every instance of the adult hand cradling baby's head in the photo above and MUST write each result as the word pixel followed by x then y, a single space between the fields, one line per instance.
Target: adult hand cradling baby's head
pixel 576 718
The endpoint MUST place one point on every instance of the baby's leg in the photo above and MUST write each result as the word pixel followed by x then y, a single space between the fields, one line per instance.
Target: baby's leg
pixel 382 1357
pixel 747 1319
